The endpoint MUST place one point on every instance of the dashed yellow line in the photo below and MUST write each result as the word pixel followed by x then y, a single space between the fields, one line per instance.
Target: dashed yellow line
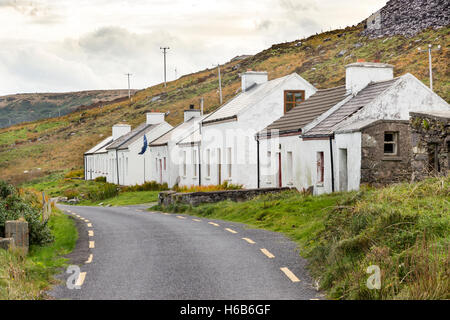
pixel 267 253
pixel 86 220
pixel 230 230
pixel 214 224
pixel 180 217
pixel 81 279
pixel 197 220
pixel 91 244
pixel 249 240
pixel 165 213
pixel 89 225
pixel 290 275
pixel 91 233
pixel 89 260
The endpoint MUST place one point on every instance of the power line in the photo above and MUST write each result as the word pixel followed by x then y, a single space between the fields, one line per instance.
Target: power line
pixel 165 52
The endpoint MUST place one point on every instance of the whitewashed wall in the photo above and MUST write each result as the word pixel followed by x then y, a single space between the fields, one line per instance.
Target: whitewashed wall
pixel 190 178
pixel 351 142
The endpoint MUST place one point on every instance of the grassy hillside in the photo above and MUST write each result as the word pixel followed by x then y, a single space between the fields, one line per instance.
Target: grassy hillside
pixel 58 144
pixel 404 229
pixel 18 108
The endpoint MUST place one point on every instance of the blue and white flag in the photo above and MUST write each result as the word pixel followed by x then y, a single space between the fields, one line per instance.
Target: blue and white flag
pixel 144 147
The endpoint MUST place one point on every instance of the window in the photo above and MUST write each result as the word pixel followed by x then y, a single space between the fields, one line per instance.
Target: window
pixel 165 164
pixel 293 98
pixel 290 167
pixel 184 163
pixel 208 163
pixel 390 143
pixel 433 160
pixel 229 162
pixel 194 162
pixel 126 165
pixel 320 167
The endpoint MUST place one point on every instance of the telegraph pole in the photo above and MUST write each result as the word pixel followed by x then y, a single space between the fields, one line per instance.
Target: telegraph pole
pixel 164 49
pixel 430 62
pixel 220 84
pixel 129 90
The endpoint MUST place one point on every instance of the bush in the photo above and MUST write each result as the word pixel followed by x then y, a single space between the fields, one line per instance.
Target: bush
pixel 224 186
pixel 100 179
pixel 13 206
pixel 71 194
pixel 75 174
pixel 147 186
pixel 105 191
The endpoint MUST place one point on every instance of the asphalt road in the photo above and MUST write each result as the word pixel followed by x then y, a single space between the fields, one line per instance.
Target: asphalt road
pixel 130 253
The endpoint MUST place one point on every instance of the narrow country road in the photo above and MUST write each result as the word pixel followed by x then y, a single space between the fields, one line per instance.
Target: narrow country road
pixel 130 253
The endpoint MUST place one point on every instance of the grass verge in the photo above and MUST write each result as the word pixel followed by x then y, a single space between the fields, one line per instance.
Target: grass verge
pixel 404 229
pixel 126 198
pixel 27 278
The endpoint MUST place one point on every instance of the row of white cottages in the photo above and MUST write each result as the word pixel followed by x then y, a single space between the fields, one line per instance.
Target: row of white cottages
pixel 278 133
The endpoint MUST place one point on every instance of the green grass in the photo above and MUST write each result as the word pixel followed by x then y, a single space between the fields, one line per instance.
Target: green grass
pixel 403 228
pixel 126 198
pixel 28 277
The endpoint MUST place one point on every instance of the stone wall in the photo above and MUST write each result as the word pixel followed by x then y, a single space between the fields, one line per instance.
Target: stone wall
pixel 378 168
pixel 407 17
pixel 195 198
pixel 430 139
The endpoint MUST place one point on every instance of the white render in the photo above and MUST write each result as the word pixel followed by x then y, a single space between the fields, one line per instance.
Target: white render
pixel 234 140
pixel 358 75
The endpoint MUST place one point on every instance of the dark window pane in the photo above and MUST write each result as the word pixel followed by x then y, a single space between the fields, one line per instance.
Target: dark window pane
pixel 289 106
pixel 388 148
pixel 298 96
pixel 388 137
pixel 289 96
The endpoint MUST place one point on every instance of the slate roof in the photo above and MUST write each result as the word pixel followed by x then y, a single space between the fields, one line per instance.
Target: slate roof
pixel 124 141
pixel 99 146
pixel 245 99
pixel 177 133
pixel 309 110
pixel 194 138
pixel 328 125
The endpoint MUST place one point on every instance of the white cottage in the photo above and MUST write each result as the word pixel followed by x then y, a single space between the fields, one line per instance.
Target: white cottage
pixel 190 147
pixel 96 159
pixel 126 162
pixel 228 146
pixel 168 161
pixel 365 138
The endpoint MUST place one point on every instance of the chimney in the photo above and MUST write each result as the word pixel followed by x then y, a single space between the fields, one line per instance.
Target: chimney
pixel 250 78
pixel 119 130
pixel 360 74
pixel 191 113
pixel 155 117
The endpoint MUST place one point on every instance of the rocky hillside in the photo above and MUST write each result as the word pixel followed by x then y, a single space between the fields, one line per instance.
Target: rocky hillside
pixel 18 108
pixel 34 149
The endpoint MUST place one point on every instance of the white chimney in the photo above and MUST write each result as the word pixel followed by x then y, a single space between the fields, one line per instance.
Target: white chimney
pixel 119 130
pixel 155 117
pixel 191 113
pixel 360 74
pixel 249 78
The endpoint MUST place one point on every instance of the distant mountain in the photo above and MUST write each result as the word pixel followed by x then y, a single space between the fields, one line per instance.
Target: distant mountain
pixel 18 108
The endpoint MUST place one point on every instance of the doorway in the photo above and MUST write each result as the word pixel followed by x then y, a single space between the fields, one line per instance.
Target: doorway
pixel 343 171
pixel 279 173
pixel 219 167
pixel 160 171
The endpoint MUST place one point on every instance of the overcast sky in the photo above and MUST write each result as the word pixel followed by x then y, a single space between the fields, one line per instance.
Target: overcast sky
pixel 71 45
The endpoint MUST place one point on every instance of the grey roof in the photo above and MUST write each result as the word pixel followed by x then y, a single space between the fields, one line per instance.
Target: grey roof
pixel 309 110
pixel 194 138
pixel 99 146
pixel 177 133
pixel 438 113
pixel 327 126
pixel 245 99
pixel 124 141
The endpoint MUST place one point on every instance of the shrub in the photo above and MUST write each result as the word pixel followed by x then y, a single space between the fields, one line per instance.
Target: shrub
pixel 13 206
pixel 100 179
pixel 104 191
pixel 71 193
pixel 147 186
pixel 224 186
pixel 75 174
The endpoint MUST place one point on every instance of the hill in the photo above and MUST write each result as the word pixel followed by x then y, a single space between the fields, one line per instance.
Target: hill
pixel 34 149
pixel 18 108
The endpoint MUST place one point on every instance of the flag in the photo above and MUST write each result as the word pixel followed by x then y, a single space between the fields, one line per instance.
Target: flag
pixel 144 147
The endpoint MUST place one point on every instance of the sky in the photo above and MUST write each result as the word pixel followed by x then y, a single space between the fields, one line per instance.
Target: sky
pixel 73 45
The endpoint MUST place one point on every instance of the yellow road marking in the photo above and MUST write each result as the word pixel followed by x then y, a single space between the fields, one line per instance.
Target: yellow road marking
pixel 91 233
pixel 290 275
pixel 89 225
pixel 214 224
pixel 197 220
pixel 267 253
pixel 230 230
pixel 165 213
pixel 91 244
pixel 80 279
pixel 86 220
pixel 180 217
pixel 249 240
pixel 89 260
pixel 314 299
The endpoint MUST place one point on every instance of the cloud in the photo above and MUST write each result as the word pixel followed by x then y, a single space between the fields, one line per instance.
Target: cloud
pixel 38 12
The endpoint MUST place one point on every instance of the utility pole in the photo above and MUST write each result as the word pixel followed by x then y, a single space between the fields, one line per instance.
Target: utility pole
pixel 129 90
pixel 59 112
pixel 164 49
pixel 430 62
pixel 220 84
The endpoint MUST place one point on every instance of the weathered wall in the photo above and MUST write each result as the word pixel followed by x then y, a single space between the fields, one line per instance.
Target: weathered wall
pixel 407 17
pixel 378 168
pixel 429 131
pixel 195 198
